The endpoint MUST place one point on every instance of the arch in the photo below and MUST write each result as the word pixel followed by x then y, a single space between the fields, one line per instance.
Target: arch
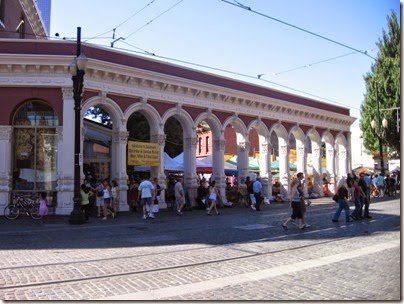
pixel 297 133
pixel 110 106
pixel 213 122
pixel 151 114
pixel 184 119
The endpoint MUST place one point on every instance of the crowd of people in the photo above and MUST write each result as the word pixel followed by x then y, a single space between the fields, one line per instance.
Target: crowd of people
pixel 144 196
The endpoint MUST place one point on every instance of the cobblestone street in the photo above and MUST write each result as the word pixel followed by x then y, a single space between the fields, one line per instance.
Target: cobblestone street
pixel 239 255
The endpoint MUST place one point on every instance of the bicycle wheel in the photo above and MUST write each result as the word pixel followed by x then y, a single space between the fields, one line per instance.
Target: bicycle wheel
pixel 11 212
pixel 34 211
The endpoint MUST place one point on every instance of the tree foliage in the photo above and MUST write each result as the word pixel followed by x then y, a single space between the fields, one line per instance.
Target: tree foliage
pixel 383 87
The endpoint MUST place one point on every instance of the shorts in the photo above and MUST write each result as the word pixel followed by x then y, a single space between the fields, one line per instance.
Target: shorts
pixel 99 202
pixel 146 201
pixel 297 209
pixel 107 201
pixel 179 200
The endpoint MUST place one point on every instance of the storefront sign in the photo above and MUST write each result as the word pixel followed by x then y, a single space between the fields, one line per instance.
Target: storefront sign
pixel 143 154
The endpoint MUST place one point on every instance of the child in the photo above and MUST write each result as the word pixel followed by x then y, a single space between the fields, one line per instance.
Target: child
pixel 43 207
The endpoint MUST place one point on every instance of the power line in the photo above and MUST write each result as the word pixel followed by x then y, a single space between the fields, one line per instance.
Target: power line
pixel 119 25
pixel 309 64
pixel 158 16
pixel 238 4
pixel 255 77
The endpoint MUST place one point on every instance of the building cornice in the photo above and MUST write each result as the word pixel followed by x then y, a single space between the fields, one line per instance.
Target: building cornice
pixel 52 71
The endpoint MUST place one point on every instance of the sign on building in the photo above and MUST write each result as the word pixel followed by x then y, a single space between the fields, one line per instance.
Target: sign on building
pixel 143 154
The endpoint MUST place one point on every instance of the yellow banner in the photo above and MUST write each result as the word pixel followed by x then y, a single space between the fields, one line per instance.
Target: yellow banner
pixel 143 154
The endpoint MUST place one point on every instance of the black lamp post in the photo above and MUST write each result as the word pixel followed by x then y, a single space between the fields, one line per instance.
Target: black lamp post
pixel 77 70
pixel 379 128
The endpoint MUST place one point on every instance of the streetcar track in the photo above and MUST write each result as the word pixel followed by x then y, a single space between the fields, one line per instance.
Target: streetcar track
pixel 175 267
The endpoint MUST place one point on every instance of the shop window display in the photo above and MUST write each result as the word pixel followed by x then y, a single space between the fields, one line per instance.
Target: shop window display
pixel 35 147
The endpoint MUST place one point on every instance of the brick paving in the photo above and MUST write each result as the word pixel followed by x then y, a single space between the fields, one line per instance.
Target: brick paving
pixel 239 255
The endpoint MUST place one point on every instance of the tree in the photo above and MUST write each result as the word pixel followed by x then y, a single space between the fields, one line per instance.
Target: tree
pixel 383 86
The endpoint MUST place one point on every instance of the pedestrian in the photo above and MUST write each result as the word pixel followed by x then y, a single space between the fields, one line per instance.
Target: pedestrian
pixel 357 192
pixel 257 189
pixel 85 200
pixel 250 191
pixel 214 194
pixel 99 189
pixel 297 203
pixel 134 194
pixel 342 192
pixel 381 184
pixel 43 207
pixel 157 198
pixel 146 196
pixel 243 194
pixel 107 200
pixel 200 198
pixel 349 180
pixel 179 196
pixel 364 200
pixel 114 197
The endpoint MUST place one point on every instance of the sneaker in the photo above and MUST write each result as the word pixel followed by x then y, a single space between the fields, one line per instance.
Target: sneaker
pixel 335 221
pixel 104 218
pixel 302 226
pixel 307 226
pixel 284 227
pixel 253 207
pixel 208 213
pixel 151 216
pixel 144 217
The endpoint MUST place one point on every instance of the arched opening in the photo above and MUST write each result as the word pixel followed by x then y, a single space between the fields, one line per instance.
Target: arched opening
pixel 35 149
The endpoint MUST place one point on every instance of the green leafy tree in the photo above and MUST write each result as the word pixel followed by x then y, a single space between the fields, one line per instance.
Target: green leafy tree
pixel 383 87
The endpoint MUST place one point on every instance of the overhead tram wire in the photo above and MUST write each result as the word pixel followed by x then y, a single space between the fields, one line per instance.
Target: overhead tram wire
pixel 119 25
pixel 158 16
pixel 239 5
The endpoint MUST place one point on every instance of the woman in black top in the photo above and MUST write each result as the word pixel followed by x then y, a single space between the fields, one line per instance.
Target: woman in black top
pixel 342 201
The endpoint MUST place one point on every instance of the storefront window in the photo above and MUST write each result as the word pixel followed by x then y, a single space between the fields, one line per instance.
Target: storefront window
pixel 35 147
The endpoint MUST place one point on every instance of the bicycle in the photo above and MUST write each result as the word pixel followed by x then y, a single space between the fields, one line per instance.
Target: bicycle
pixel 20 204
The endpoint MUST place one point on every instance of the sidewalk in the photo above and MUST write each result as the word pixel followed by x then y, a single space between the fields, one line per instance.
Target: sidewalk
pixel 24 222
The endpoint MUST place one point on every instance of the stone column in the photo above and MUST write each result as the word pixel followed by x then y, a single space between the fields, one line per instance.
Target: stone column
pixel 342 162
pixel 270 181
pixel 317 178
pixel 65 157
pixel 161 177
pixel 5 165
pixel 243 150
pixel 284 167
pixel 265 171
pixel 331 169
pixel 190 176
pixel 218 167
pixel 301 166
pixel 119 161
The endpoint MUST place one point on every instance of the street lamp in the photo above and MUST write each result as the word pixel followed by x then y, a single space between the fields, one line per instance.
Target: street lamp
pixel 380 130
pixel 77 71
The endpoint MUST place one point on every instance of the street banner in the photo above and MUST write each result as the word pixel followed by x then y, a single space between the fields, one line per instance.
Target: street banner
pixel 143 154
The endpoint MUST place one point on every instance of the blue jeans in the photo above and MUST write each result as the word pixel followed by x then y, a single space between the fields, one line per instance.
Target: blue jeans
pixel 342 205
pixel 357 211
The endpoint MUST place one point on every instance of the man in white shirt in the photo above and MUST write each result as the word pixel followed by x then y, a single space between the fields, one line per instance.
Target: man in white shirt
pixel 146 197
pixel 179 195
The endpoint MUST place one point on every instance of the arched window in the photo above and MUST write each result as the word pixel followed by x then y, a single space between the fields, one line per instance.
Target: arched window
pixel 35 147
pixel 207 144
pixel 200 145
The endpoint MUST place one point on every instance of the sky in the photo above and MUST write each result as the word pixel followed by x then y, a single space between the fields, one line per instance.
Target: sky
pixel 311 48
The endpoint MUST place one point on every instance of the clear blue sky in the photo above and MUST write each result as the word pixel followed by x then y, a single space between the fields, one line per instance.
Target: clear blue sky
pixel 222 36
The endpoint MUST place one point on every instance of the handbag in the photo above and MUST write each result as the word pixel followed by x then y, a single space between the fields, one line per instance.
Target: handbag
pixel 335 197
